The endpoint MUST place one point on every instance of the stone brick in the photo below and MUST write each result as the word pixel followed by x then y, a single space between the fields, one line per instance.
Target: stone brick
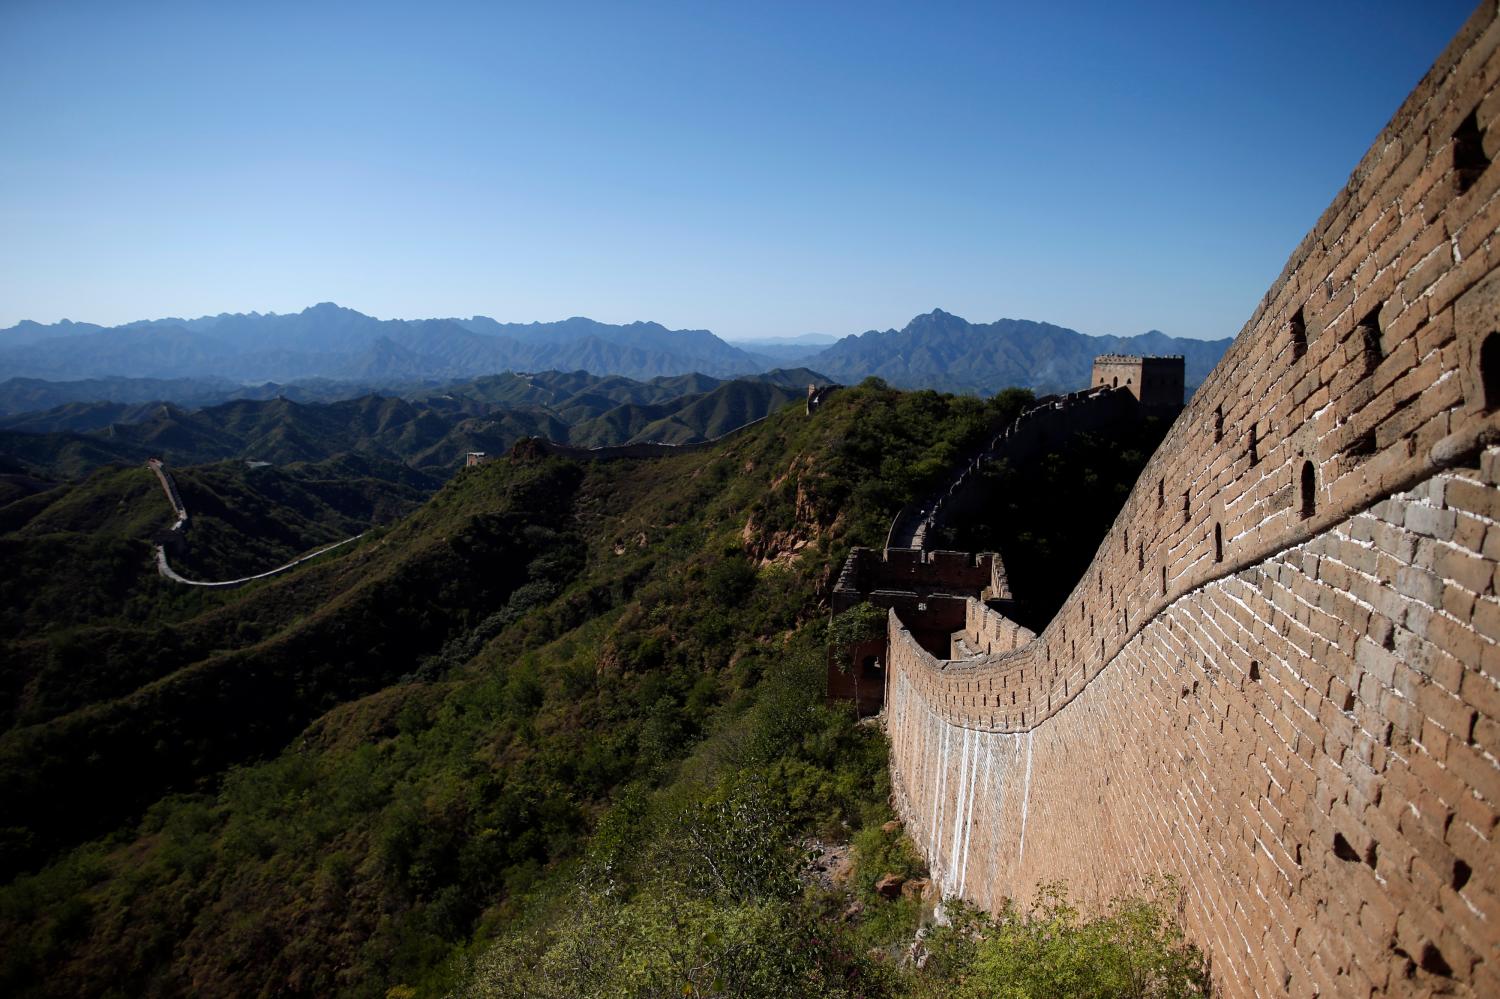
pixel 1319 805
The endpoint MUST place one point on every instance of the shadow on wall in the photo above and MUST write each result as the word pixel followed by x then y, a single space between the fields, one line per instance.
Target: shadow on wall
pixel 1284 687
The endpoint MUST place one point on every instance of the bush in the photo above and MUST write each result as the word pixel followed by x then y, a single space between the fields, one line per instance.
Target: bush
pixel 1136 950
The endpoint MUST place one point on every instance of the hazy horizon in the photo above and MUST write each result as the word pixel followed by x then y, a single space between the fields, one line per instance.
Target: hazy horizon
pixel 760 172
pixel 804 337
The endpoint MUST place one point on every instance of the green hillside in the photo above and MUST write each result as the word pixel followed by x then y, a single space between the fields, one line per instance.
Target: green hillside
pixel 559 731
pixel 428 432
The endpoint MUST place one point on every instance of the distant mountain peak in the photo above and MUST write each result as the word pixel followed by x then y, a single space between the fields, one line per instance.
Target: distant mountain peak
pixel 940 350
pixel 329 309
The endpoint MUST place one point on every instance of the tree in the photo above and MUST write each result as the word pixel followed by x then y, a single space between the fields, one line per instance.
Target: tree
pixel 864 622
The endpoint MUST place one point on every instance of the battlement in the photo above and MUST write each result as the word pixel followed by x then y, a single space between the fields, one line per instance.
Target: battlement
pixel 913 571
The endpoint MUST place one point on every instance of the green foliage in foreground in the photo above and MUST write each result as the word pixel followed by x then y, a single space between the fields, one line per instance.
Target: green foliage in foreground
pixel 1134 950
pixel 696 892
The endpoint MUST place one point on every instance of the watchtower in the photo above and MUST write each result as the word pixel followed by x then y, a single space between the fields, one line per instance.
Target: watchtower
pixel 1156 382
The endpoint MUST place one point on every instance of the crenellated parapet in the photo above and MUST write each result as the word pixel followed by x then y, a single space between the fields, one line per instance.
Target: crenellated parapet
pixel 911 570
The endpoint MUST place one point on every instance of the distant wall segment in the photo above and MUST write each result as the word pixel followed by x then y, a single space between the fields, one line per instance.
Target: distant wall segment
pixel 164 568
pixel 1280 677
pixel 1047 424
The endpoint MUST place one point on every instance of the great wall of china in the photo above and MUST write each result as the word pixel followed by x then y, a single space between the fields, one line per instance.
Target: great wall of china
pixel 1279 679
pixel 164 568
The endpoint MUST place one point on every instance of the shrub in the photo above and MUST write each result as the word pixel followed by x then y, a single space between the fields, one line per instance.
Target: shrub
pixel 1135 950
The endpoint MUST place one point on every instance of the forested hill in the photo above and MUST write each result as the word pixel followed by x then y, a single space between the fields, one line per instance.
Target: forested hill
pixel 946 352
pixel 336 781
pixel 429 432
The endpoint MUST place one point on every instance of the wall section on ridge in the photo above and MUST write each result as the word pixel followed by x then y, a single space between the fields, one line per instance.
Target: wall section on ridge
pixel 1326 842
pixel 1280 676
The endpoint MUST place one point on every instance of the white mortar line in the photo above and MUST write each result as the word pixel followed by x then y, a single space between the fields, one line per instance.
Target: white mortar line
pixel 1025 799
pixel 934 842
pixel 958 815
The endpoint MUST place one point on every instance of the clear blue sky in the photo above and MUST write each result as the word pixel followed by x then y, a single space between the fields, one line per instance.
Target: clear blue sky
pixel 753 168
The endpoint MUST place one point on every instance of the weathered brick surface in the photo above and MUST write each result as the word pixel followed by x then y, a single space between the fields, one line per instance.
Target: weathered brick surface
pixel 1295 705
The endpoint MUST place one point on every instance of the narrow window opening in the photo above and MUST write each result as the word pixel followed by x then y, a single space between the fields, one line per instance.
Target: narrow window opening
pixel 1461 874
pixel 1255 675
pixel 1489 370
pixel 1348 702
pixel 1254 449
pixel 1469 159
pixel 1161 493
pixel 1114 382
pixel 1309 490
pixel 1163 580
pixel 1369 331
pixel 1297 328
pixel 1140 558
pixel 1342 849
pixel 1433 962
pixel 1218 543
pixel 1185 515
pixel 1218 424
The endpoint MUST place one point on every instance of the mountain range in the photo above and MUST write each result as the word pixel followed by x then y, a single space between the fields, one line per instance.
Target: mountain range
pixel 942 351
pixel 326 346
pixel 328 341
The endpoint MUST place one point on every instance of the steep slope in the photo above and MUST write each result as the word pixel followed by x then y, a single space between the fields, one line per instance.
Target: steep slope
pixel 329 782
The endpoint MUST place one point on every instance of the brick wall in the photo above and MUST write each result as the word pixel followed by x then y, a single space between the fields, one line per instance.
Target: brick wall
pixel 1279 678
pixel 988 632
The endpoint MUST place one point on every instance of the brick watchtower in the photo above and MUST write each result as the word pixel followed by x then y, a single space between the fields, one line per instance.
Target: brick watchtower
pixel 1156 382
